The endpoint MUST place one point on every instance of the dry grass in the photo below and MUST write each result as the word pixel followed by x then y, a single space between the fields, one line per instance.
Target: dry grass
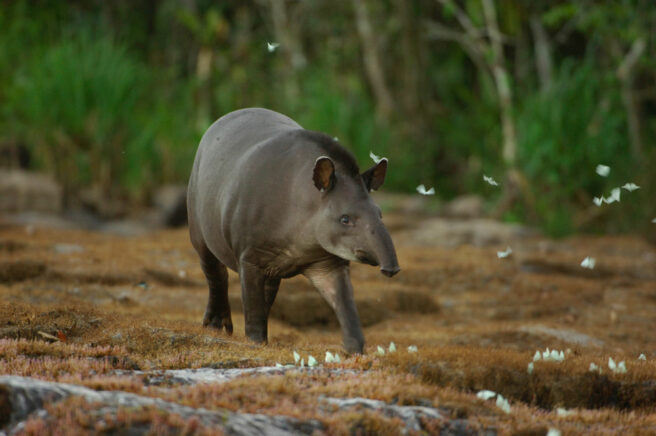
pixel 74 416
pixel 127 303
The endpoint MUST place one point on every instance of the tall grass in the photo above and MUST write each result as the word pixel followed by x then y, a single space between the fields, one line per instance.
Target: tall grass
pixel 91 115
pixel 563 134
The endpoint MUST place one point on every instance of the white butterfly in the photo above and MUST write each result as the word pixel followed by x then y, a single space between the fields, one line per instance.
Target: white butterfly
pixel 490 180
pixel 594 367
pixel 530 367
pixel 375 158
pixel 537 356
pixel 503 254
pixel 642 357
pixel 503 404
pixel 422 190
pixel 380 350
pixel 603 170
pixel 312 361
pixel 330 358
pixel 630 187
pixel 554 432
pixel 486 395
pixel 392 347
pixel 297 357
pixel 654 221
pixel 272 46
pixel 619 368
pixel 614 196
pixel 564 412
pixel 588 262
pixel 549 355
pixel 561 355
pixel 598 200
pixel 412 349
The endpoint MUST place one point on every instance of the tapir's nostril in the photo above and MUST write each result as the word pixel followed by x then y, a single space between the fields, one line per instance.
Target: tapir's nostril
pixel 391 272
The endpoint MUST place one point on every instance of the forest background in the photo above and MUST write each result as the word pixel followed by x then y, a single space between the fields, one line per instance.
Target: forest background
pixel 115 95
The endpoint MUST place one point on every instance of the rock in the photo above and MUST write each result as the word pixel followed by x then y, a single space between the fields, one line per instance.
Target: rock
pixel 569 336
pixel 22 191
pixel 127 227
pixel 452 233
pixel 169 279
pixel 14 154
pixel 68 248
pixel 221 375
pixel 264 425
pixel 171 202
pixel 467 206
pixel 97 200
pixel 20 397
pixel 414 417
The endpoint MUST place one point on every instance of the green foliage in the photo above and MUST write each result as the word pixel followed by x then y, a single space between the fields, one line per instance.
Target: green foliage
pixel 75 103
pixel 91 113
pixel 344 111
pixel 116 95
pixel 563 134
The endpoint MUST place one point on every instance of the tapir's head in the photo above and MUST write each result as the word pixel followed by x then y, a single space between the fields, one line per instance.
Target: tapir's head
pixel 348 222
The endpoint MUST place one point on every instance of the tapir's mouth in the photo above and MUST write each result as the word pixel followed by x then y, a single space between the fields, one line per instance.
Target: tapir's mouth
pixel 365 257
pixel 390 272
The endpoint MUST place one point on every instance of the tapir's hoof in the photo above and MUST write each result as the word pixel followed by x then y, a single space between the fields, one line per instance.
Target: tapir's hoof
pixel 257 336
pixel 354 346
pixel 218 322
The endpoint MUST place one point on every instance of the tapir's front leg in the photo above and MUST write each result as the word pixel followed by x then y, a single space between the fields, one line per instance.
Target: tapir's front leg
pixel 253 299
pixel 334 284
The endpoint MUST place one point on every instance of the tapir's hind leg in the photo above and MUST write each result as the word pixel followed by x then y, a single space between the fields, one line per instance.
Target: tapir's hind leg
pixel 256 309
pixel 271 286
pixel 217 314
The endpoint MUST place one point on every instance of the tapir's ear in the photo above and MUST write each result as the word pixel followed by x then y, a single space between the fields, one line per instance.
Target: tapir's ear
pixel 375 176
pixel 324 174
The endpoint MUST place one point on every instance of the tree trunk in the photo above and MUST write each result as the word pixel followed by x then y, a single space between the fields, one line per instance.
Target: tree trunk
pixel 625 73
pixel 290 48
pixel 411 60
pixel 372 62
pixel 205 99
pixel 502 81
pixel 542 49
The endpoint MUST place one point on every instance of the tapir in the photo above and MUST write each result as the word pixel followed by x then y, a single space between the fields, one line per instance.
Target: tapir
pixel 271 200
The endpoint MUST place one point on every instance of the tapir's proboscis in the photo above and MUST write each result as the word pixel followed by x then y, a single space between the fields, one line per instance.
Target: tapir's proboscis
pixel 271 200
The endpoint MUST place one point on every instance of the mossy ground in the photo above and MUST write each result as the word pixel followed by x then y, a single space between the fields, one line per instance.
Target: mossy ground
pixel 77 315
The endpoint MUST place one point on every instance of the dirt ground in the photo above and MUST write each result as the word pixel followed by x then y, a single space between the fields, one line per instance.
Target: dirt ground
pixel 78 306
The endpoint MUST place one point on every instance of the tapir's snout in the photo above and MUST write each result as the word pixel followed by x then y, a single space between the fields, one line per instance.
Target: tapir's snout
pixel 389 272
pixel 384 252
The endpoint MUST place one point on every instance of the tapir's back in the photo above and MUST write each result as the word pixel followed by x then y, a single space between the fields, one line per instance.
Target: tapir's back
pixel 235 132
pixel 217 167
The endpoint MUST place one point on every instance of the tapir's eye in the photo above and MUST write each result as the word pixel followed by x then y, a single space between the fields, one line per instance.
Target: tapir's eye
pixel 344 219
